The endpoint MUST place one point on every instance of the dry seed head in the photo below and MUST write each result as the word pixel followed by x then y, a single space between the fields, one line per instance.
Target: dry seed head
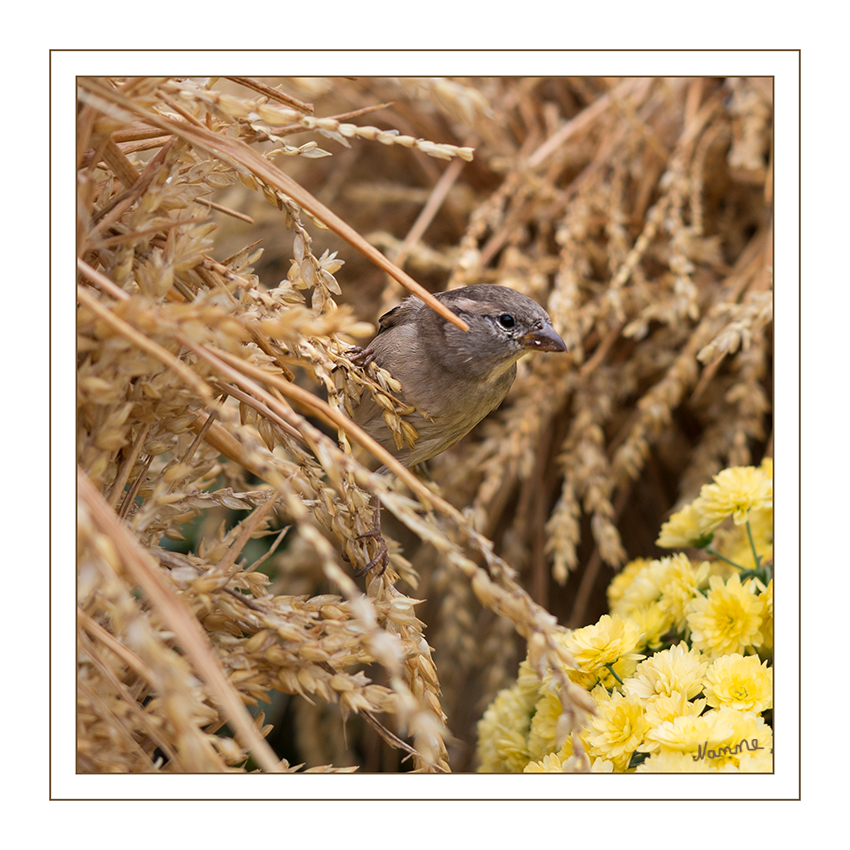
pixel 663 297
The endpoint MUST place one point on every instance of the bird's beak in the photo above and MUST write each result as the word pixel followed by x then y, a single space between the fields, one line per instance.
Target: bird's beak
pixel 543 338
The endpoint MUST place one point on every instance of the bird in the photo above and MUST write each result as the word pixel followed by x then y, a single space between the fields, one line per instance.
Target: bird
pixel 453 378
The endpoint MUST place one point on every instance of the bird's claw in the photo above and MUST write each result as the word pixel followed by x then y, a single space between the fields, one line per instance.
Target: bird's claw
pixel 382 558
pixel 361 356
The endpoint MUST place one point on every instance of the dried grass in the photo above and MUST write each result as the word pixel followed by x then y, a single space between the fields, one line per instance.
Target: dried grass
pixel 213 386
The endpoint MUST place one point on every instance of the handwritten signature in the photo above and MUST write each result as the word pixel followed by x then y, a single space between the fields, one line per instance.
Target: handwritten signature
pixel 703 749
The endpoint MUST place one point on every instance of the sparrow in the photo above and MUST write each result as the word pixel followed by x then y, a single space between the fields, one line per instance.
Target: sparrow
pixel 453 378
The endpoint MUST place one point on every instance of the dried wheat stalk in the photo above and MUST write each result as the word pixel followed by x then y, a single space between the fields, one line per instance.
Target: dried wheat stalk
pixel 213 386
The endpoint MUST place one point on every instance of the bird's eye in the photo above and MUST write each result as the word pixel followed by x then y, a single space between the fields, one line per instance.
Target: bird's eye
pixel 506 320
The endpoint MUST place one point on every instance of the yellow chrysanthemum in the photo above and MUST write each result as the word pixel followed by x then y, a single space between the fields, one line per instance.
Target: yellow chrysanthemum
pixel 728 618
pixel 617 730
pixel 734 542
pixel 721 569
pixel 619 671
pixel 678 669
pixel 671 761
pixel 642 589
pixel 503 730
pixel 761 527
pixel 543 733
pixel 586 680
pixel 620 583
pixel 689 734
pixel 564 761
pixel 551 763
pixel 658 707
pixel 748 747
pixel 739 682
pixel 766 648
pixel 687 527
pixel 612 638
pixel 668 582
pixel 735 492
pixel 677 704
pixel 653 624
pixel 528 681
pixel 760 761
pixel 680 584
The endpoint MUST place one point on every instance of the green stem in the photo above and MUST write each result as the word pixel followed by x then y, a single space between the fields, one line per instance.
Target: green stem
pixel 611 668
pixel 718 555
pixel 756 555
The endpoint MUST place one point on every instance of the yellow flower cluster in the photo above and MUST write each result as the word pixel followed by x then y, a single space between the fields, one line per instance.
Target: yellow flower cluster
pixel 680 670
pixel 744 493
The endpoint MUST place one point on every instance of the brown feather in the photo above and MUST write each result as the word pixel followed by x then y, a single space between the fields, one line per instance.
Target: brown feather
pixel 453 378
